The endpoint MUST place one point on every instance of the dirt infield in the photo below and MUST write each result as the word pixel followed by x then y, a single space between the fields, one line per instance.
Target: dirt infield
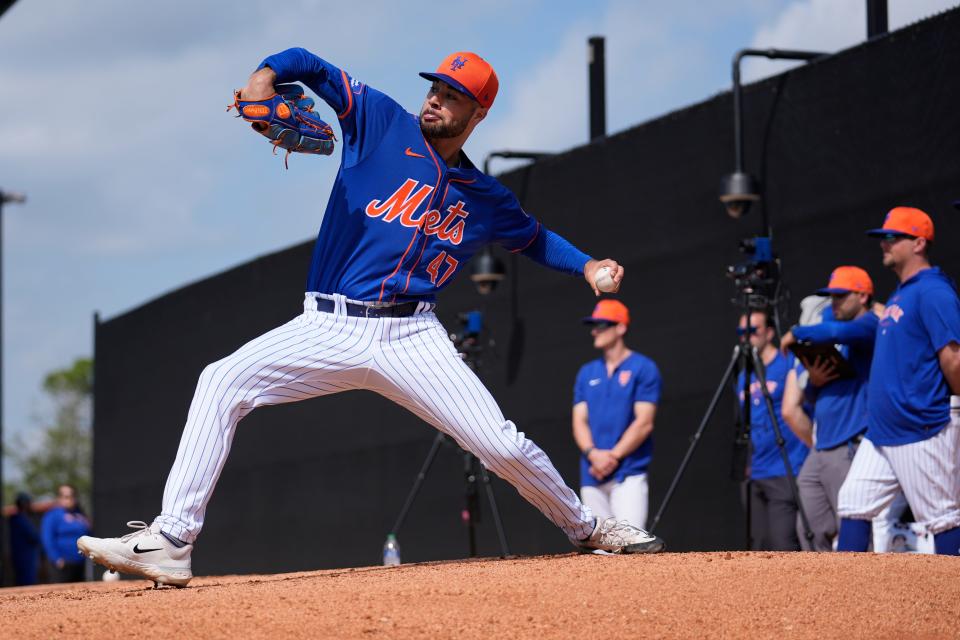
pixel 684 595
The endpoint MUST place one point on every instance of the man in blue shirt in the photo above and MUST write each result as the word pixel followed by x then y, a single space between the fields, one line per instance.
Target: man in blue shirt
pixel 773 508
pixel 60 529
pixel 614 403
pixel 912 441
pixel 839 404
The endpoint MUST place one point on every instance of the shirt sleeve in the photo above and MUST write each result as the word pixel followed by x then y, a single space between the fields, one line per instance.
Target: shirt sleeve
pixel 553 251
pixel 578 388
pixel 940 315
pixel 862 331
pixel 648 384
pixel 364 113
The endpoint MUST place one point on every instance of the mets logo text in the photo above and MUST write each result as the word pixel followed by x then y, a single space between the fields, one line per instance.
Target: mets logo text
pixel 403 203
pixel 755 390
pixel 457 63
pixel 894 312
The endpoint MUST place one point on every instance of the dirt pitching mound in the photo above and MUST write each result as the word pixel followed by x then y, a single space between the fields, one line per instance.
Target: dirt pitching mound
pixel 682 595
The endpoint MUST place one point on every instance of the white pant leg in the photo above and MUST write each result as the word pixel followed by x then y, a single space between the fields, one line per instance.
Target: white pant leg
pixel 929 472
pixel 597 498
pixel 870 486
pixel 883 523
pixel 420 369
pixel 312 355
pixel 630 500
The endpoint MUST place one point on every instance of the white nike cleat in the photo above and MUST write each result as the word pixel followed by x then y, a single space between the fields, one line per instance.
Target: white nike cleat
pixel 612 536
pixel 145 552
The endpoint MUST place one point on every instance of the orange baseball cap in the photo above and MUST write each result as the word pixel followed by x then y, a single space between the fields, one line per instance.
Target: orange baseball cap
pixel 468 73
pixel 846 279
pixel 906 221
pixel 609 311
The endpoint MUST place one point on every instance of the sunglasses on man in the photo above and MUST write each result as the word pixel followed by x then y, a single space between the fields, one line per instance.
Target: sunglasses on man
pixel 601 325
pixel 742 331
pixel 896 237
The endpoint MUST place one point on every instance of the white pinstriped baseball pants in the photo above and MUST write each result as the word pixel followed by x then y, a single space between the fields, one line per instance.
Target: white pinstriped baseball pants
pixel 928 472
pixel 408 360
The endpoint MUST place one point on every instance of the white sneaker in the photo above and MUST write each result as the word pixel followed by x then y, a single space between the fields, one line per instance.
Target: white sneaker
pixel 145 552
pixel 612 536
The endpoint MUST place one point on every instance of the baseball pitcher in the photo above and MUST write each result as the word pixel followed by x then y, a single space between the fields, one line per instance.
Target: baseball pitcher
pixel 407 211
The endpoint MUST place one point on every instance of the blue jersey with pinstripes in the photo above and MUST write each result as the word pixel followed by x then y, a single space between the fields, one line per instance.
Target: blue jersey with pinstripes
pixel 399 223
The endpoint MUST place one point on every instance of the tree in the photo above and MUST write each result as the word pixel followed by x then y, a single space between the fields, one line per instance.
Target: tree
pixel 64 454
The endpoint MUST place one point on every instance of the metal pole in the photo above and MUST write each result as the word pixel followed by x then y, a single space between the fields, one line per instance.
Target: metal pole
pixel 876 18
pixel 596 71
pixel 772 54
pixel 4 550
pixel 4 198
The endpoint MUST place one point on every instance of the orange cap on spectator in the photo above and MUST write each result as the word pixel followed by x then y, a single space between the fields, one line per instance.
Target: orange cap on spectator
pixel 906 221
pixel 846 279
pixel 468 73
pixel 609 311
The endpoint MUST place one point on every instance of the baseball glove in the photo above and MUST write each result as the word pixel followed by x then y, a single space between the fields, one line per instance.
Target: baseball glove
pixel 287 118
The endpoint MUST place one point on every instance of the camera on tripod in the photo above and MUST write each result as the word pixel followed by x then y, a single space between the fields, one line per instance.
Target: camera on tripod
pixel 467 339
pixel 758 278
pixel 760 290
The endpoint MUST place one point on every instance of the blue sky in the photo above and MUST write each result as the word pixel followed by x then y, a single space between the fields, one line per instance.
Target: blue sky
pixel 139 182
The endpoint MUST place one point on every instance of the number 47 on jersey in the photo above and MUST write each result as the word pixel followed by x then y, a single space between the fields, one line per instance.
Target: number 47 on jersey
pixel 437 263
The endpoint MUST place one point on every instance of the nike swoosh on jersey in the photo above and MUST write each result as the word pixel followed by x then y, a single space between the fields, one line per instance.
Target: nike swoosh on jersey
pixel 595 382
pixel 137 549
pixel 413 154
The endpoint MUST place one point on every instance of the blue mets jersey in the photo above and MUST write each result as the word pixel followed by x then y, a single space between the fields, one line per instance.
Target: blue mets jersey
pixel 399 223
pixel 908 398
pixel 766 461
pixel 610 400
pixel 840 407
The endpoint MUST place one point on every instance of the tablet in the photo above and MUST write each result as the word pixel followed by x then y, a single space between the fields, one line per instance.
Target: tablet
pixel 809 352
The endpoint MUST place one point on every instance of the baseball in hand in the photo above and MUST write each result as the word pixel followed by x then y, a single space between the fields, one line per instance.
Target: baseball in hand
pixel 604 280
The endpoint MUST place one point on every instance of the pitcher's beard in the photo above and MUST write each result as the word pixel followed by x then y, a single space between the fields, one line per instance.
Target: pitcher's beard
pixel 442 129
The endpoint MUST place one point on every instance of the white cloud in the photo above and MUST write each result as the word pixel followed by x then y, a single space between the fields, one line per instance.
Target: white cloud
pixel 828 26
pixel 659 56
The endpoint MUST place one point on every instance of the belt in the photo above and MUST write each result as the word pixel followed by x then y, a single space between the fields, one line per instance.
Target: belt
pixel 364 311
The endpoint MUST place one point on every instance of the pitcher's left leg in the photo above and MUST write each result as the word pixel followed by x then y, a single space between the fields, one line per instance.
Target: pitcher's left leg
pixel 418 367
pixel 428 377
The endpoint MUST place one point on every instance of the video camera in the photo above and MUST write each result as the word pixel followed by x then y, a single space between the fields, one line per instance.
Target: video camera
pixel 758 278
pixel 467 340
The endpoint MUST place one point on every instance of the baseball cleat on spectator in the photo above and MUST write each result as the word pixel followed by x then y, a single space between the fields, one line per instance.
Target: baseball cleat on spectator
pixel 615 536
pixel 144 552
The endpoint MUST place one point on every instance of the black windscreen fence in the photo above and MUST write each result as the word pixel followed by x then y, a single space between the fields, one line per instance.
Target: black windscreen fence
pixel 836 143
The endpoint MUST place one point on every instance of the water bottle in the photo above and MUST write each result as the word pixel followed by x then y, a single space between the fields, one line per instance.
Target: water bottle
pixel 391 551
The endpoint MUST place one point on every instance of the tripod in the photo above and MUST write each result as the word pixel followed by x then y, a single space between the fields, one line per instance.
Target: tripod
pixel 745 358
pixel 473 470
